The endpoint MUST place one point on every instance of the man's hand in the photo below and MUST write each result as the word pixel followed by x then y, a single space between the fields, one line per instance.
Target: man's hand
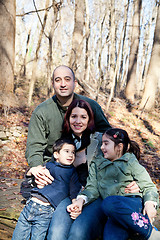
pixel 42 176
pixel 132 188
pixel 75 208
pixel 150 210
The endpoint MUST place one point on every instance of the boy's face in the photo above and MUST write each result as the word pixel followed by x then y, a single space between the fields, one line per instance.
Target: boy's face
pixel 66 155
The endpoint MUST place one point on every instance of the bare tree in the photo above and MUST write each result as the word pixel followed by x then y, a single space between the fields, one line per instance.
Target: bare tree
pixel 34 66
pixel 87 46
pixel 56 8
pixel 151 86
pixel 76 59
pixel 113 49
pixel 7 48
pixel 131 76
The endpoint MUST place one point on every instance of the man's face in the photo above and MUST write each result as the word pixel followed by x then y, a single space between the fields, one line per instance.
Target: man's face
pixel 63 82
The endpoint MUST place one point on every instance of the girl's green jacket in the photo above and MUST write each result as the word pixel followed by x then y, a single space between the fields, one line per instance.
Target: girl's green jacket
pixel 108 178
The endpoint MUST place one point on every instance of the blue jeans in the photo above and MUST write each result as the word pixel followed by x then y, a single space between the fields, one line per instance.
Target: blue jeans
pixel 88 226
pixel 33 222
pixel 125 218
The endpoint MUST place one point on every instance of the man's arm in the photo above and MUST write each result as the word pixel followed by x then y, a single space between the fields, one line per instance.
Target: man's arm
pixel 36 141
pixel 132 188
pixel 42 176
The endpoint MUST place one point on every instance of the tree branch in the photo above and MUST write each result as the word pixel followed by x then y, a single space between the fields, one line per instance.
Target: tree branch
pixel 37 10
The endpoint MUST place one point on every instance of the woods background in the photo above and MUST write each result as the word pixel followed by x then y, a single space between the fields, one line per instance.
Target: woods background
pixel 113 47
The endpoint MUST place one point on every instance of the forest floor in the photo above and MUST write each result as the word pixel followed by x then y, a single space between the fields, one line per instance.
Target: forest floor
pixel 143 127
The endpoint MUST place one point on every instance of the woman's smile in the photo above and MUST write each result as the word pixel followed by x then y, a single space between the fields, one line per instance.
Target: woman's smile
pixel 78 120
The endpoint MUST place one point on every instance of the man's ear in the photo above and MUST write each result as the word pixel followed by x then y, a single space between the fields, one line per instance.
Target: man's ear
pixel 56 155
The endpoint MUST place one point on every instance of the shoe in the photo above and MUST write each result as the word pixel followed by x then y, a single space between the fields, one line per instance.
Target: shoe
pixel 155 235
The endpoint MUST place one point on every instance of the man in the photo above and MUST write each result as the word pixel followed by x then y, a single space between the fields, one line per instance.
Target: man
pixel 47 119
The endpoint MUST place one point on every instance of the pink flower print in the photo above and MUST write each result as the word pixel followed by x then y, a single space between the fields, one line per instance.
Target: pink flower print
pixel 140 223
pixel 135 216
pixel 145 220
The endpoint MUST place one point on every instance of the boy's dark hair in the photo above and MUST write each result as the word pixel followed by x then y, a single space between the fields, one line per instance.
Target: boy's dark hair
pixel 57 146
pixel 118 135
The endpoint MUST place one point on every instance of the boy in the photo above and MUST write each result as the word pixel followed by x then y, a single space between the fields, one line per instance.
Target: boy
pixel 36 215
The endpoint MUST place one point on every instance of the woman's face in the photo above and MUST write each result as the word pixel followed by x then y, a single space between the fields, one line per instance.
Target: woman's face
pixel 78 120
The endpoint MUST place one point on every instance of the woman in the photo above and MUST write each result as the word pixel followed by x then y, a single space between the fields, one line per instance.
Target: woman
pixel 79 125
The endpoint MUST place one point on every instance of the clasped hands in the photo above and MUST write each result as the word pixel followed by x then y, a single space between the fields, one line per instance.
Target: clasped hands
pixel 75 209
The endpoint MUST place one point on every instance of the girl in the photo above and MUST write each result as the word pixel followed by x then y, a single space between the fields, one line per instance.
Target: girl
pixel 108 177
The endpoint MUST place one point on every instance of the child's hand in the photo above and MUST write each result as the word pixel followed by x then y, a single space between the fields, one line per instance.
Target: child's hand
pixel 75 208
pixel 150 210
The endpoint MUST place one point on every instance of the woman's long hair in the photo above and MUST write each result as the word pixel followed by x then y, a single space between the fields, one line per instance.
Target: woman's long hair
pixel 118 135
pixel 81 104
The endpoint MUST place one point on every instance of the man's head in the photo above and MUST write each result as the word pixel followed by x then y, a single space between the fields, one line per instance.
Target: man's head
pixel 63 83
pixel 64 151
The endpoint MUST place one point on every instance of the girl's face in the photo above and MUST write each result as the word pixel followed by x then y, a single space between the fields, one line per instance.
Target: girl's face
pixel 78 120
pixel 110 151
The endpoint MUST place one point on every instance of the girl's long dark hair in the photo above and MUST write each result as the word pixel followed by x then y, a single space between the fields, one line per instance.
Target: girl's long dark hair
pixel 81 104
pixel 118 135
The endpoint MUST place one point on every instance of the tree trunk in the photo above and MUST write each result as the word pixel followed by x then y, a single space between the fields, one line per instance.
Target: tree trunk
pixel 131 76
pixel 7 46
pixel 34 66
pixel 76 62
pixel 87 50
pixel 113 51
pixel 56 9
pixel 149 96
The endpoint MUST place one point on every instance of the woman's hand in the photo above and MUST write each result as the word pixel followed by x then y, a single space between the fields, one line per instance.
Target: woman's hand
pixel 132 188
pixel 42 176
pixel 75 208
pixel 150 210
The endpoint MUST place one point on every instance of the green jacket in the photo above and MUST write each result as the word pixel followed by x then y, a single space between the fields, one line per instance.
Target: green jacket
pixel 46 125
pixel 108 178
